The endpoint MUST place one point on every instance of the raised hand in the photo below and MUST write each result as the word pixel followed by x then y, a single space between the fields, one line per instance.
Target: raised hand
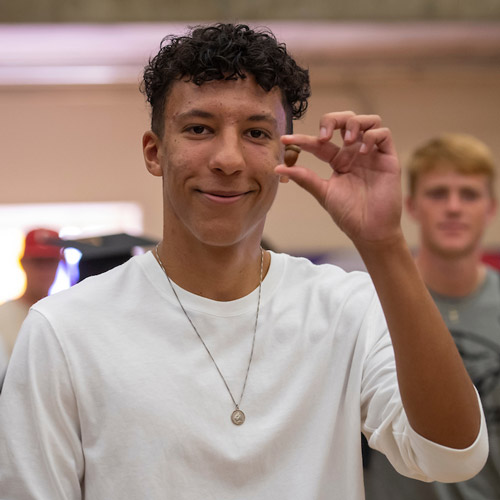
pixel 363 193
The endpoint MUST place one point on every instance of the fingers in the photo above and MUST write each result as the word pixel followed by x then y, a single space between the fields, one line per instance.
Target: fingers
pixel 359 125
pixel 380 139
pixel 350 125
pixel 325 151
pixel 331 122
pixel 364 131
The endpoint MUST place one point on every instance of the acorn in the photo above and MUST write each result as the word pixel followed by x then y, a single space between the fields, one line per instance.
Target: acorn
pixel 291 154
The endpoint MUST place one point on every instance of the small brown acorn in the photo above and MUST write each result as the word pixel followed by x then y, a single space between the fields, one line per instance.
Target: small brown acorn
pixel 291 154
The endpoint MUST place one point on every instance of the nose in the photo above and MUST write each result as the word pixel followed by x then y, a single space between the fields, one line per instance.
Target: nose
pixel 227 157
pixel 453 202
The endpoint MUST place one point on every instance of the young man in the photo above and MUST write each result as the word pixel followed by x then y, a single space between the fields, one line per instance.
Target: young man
pixel 210 368
pixel 451 197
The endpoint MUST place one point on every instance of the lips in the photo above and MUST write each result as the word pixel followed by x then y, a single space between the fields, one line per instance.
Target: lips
pixel 223 197
pixel 452 226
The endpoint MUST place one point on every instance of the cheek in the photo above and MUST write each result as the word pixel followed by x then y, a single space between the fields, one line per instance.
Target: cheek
pixel 425 214
pixel 272 184
pixel 177 165
pixel 482 218
pixel 269 154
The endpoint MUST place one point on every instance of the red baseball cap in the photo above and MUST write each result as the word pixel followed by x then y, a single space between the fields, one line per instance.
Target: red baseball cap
pixel 38 245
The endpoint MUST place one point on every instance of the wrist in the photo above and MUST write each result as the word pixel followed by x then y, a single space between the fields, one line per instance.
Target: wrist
pixel 382 248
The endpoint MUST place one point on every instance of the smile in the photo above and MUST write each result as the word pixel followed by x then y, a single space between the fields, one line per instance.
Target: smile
pixel 223 198
pixel 452 227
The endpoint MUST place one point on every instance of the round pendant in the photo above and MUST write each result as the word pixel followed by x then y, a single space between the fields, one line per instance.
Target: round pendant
pixel 237 417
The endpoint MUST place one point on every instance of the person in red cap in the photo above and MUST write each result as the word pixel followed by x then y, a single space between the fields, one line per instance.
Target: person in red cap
pixel 39 261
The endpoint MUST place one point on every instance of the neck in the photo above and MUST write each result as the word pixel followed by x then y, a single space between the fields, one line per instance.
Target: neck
pixel 452 277
pixel 218 273
pixel 31 298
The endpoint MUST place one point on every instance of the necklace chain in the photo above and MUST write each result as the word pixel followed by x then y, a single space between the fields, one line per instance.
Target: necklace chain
pixel 237 417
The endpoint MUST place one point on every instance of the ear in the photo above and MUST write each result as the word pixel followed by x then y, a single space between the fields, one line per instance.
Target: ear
pixel 151 151
pixel 493 209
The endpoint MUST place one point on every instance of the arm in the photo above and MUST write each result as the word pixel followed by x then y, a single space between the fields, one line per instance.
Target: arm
pixel 363 197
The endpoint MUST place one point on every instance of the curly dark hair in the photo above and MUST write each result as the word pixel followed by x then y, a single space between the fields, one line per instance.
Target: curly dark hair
pixel 225 52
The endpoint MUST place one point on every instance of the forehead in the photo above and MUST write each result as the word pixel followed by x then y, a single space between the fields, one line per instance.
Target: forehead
pixel 235 99
pixel 444 176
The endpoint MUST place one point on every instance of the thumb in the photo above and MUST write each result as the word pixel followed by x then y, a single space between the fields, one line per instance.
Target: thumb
pixel 306 179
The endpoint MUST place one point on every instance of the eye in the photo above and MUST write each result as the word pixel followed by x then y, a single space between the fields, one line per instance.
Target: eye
pixel 258 134
pixel 197 129
pixel 438 193
pixel 469 195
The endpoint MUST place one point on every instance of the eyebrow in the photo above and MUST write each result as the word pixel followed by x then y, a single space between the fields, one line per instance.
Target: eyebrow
pixel 194 113
pixel 263 118
pixel 200 113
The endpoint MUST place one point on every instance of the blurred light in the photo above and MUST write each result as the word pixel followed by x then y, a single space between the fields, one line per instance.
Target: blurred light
pixel 72 256
pixel 62 280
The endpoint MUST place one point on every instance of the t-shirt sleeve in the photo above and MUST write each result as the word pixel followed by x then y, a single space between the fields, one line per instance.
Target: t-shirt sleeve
pixel 40 444
pixel 386 425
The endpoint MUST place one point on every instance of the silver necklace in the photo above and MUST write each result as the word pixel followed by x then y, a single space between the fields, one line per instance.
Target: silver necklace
pixel 237 416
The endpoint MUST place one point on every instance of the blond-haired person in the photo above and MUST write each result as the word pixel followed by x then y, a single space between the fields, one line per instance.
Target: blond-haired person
pixel 451 198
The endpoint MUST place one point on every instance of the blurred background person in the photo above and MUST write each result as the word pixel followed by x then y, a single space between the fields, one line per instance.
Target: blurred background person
pixel 451 198
pixel 3 363
pixel 39 261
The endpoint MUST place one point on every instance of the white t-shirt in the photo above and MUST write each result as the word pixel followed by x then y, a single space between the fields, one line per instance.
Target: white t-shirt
pixel 111 395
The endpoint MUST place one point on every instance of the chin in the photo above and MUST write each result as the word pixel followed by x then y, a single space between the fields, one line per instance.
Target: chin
pixel 220 238
pixel 455 252
pixel 226 234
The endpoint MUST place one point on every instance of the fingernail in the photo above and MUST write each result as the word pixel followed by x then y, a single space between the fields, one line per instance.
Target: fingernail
pixel 322 133
pixel 363 148
pixel 347 135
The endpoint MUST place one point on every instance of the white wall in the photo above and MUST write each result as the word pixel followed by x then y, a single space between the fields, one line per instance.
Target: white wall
pixel 83 142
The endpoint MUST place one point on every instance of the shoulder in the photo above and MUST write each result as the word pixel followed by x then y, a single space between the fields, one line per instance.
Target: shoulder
pixel 492 280
pixel 325 271
pixel 493 273
pixel 306 278
pixel 13 307
pixel 12 314
pixel 103 290
pixel 323 298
